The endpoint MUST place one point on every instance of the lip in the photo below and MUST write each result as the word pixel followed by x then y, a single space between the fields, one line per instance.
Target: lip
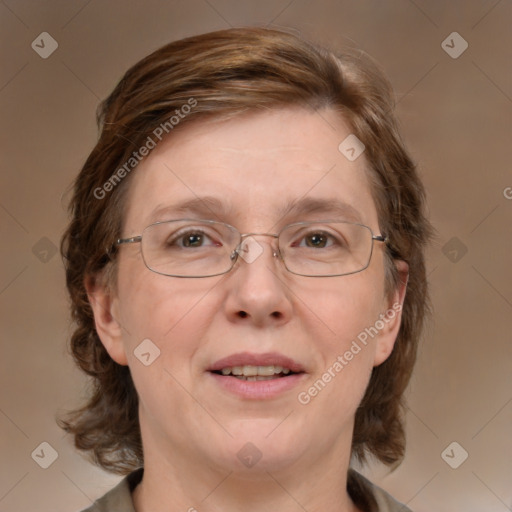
pixel 260 389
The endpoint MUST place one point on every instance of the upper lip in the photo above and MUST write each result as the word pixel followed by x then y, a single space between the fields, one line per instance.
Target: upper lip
pixel 250 359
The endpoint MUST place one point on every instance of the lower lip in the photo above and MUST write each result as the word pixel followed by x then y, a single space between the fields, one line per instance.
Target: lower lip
pixel 258 389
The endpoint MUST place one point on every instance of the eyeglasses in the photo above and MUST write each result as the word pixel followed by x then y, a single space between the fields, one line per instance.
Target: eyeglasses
pixel 206 248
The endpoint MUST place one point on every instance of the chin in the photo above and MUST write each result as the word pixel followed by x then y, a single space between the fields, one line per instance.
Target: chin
pixel 260 446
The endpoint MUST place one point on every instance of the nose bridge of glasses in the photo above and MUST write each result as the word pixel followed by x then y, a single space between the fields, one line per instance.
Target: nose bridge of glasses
pixel 249 248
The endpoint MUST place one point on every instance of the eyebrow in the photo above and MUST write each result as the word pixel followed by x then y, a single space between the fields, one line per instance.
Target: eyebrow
pixel 206 206
pixel 209 206
pixel 309 205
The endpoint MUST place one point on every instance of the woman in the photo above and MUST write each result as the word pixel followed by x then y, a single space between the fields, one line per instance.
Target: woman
pixel 241 241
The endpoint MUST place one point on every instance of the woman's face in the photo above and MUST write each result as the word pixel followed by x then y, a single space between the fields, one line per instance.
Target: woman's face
pixel 257 314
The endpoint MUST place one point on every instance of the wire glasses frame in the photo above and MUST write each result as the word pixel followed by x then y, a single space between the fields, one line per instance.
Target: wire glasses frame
pixel 155 245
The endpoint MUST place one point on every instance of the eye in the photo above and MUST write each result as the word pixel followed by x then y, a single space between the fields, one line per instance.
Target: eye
pixel 191 238
pixel 318 239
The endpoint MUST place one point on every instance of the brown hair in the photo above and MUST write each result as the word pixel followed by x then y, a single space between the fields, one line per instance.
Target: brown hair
pixel 222 74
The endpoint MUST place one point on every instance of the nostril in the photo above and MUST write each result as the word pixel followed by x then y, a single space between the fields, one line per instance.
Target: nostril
pixel 243 314
pixel 277 314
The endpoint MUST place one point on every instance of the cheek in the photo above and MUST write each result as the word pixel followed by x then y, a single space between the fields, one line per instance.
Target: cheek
pixel 345 340
pixel 173 316
pixel 347 305
pixel 171 312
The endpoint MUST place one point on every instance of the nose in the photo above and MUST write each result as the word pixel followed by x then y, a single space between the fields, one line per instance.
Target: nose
pixel 257 292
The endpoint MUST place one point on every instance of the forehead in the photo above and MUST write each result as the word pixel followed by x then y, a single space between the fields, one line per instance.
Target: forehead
pixel 252 171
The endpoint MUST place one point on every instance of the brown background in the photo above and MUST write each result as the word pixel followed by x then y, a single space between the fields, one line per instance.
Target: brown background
pixel 456 117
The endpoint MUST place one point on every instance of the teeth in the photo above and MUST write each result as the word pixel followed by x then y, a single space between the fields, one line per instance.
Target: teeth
pixel 257 377
pixel 250 372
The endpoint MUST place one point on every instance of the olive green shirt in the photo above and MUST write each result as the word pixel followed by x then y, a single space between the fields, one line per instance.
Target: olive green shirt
pixel 364 494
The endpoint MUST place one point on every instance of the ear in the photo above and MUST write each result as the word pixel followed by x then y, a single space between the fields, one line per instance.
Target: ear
pixel 391 317
pixel 105 308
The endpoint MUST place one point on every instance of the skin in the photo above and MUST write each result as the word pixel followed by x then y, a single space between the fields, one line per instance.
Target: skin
pixel 192 429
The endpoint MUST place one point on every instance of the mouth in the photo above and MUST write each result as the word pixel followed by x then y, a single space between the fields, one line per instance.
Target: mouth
pixel 257 376
pixel 255 373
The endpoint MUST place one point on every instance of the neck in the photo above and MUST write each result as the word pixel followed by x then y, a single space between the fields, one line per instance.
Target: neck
pixel 179 483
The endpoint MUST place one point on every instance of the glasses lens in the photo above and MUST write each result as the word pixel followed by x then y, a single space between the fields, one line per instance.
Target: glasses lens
pixel 189 248
pixel 326 249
